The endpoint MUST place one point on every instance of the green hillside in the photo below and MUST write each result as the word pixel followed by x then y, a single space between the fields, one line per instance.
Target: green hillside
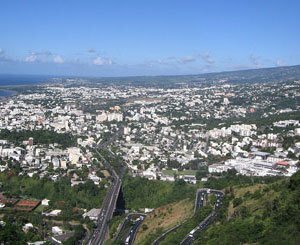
pixel 259 214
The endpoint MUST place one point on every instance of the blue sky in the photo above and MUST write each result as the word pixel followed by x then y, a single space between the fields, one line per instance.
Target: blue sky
pixel 137 37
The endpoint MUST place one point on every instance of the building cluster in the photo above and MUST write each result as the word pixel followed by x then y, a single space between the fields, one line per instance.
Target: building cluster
pixel 160 133
pixel 177 128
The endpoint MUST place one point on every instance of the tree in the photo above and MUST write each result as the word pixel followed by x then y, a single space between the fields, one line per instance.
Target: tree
pixel 237 201
pixel 202 172
pixel 144 227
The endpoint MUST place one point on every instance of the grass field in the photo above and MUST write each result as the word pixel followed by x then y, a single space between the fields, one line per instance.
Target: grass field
pixel 184 172
pixel 106 173
pixel 162 219
pixel 40 208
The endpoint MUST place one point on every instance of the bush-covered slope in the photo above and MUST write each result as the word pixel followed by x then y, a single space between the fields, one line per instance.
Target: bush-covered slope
pixel 143 193
pixel 261 214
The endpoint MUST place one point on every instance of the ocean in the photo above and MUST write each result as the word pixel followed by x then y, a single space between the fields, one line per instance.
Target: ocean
pixel 15 80
pixel 18 80
pixel 6 93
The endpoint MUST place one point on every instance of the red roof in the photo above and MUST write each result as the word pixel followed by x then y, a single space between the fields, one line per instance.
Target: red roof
pixel 27 203
pixel 283 163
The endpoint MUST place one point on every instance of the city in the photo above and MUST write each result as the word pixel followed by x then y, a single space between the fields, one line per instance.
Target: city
pixel 149 122
pixel 188 132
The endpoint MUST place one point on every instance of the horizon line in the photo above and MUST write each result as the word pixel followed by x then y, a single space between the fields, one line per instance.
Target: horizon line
pixel 162 75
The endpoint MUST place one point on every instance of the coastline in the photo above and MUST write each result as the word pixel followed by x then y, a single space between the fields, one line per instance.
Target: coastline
pixel 6 93
pixel 11 84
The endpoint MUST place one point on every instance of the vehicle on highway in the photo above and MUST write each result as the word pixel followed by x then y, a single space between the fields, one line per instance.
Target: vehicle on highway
pixel 127 241
pixel 191 234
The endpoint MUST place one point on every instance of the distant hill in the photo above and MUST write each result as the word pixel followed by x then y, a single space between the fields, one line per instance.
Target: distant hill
pixel 258 75
pixel 283 73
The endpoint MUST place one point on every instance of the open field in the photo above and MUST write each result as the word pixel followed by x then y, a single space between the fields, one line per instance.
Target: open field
pixel 164 218
pixel 184 172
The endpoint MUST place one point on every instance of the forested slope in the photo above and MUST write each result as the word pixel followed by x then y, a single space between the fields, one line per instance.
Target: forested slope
pixel 259 214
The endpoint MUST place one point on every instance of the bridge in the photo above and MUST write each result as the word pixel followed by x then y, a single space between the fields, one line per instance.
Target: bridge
pixel 110 201
pixel 107 211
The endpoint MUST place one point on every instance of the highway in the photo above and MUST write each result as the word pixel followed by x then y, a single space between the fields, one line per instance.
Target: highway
pixel 109 204
pixel 200 196
pixel 200 202
pixel 162 236
pixel 133 231
pixel 134 221
pixel 106 213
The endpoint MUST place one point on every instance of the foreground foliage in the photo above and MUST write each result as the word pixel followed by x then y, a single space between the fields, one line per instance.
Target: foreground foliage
pixel 269 215
pixel 60 193
pixel 143 193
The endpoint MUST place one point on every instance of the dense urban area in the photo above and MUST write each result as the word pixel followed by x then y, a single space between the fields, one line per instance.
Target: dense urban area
pixel 209 160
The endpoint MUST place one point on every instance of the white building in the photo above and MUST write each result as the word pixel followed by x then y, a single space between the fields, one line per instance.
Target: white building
pixel 115 117
pixel 56 230
pixel 74 155
pixel 93 214
pixel 218 168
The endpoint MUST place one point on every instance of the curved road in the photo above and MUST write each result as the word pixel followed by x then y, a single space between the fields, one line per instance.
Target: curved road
pixel 199 203
pixel 201 193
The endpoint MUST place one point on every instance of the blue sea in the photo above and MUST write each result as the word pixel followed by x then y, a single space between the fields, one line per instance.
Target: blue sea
pixel 6 93
pixel 16 80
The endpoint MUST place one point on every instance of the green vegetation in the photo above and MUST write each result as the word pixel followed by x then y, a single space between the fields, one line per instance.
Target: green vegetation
pixel 164 218
pixel 71 200
pixel 12 232
pixel 255 118
pixel 39 137
pixel 177 236
pixel 114 160
pixel 184 172
pixel 60 193
pixel 227 179
pixel 143 193
pixel 114 224
pixel 259 214
pixel 78 234
pixel 201 172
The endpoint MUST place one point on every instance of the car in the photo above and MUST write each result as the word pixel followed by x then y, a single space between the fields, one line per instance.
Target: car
pixel 192 232
pixel 127 240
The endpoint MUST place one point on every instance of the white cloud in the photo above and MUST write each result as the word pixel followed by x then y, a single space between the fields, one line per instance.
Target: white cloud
pixel 102 61
pixel 58 59
pixel 280 62
pixel 255 61
pixel 44 57
pixel 4 57
pixel 91 50
pixel 31 58
pixel 187 59
pixel 207 58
